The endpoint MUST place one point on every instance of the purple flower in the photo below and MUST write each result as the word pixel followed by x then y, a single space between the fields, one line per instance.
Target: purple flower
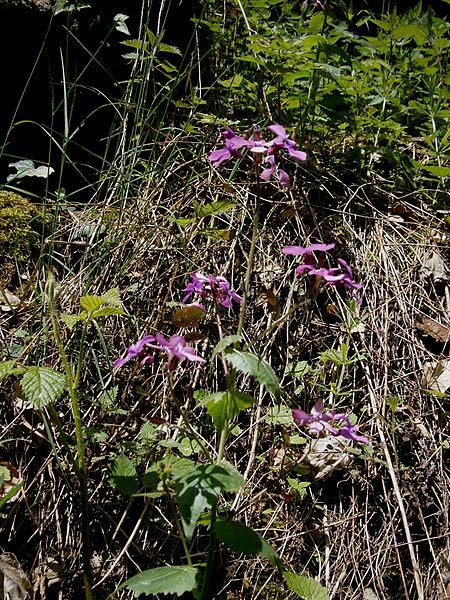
pixel 300 250
pixel 217 287
pixel 258 147
pixel 319 422
pixel 342 275
pixel 283 142
pixel 283 177
pixel 176 347
pixel 136 350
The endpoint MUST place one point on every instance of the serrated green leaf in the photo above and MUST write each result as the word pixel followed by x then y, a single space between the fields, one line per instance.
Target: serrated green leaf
pixel 224 406
pixel 91 303
pixel 214 208
pixel 170 49
pixel 199 489
pixel 9 367
pixel 42 386
pixel 112 298
pixel 163 580
pixel 72 320
pixel 240 538
pixel 306 587
pixel 248 363
pixel 107 311
pixel 123 475
pixel 435 170
pixel 224 343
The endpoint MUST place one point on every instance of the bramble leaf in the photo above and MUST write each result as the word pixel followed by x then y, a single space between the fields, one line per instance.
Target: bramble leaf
pixel 42 386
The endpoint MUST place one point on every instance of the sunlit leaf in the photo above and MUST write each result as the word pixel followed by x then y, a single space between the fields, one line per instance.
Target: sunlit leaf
pixel 42 386
pixel 164 580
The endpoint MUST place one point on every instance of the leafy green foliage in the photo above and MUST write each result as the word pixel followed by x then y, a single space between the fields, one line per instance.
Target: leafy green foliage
pixel 164 580
pixel 123 475
pixel 306 587
pixel 198 490
pixel 248 363
pixel 240 538
pixel 42 386
pixel 96 307
pixel 224 406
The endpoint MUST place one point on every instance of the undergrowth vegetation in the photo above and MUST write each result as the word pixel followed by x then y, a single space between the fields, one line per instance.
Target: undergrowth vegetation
pixel 224 371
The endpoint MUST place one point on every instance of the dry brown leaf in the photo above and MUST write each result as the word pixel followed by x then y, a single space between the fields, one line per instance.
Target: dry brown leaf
pixel 8 300
pixel 435 268
pixel 439 332
pixel 16 585
pixel 436 375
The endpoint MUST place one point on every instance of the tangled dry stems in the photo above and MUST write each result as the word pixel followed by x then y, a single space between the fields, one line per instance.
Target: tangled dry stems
pixel 380 523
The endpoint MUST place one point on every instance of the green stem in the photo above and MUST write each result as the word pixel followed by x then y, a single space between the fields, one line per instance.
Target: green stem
pixel 80 465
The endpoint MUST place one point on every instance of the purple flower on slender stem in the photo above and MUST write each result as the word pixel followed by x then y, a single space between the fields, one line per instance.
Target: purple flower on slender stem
pixel 314 267
pixel 135 351
pixel 258 147
pixel 282 141
pixel 320 423
pixel 176 347
pixel 218 288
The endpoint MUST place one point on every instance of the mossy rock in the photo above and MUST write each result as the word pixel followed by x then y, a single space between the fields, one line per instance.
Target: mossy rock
pixel 22 228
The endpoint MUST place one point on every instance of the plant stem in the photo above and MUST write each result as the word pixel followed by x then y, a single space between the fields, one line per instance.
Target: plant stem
pixel 80 465
pixel 231 381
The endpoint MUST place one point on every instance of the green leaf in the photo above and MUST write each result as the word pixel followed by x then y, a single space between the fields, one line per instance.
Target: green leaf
pixel 240 538
pixel 163 580
pixel 10 494
pixel 248 363
pixel 213 208
pixel 8 368
pixel 91 303
pixel 233 82
pixel 107 311
pixel 225 342
pixel 435 170
pixel 306 587
pixel 279 415
pixel 224 406
pixel 42 385
pixel 199 489
pixel 112 298
pixel 123 475
pixel 72 320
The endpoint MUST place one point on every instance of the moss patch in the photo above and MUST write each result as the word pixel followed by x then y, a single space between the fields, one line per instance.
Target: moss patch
pixel 22 225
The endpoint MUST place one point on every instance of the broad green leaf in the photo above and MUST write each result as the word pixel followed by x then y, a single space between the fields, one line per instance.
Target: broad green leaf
pixel 199 489
pixel 170 49
pixel 112 298
pixel 306 587
pixel 240 538
pixel 435 170
pixel 123 475
pixel 248 363
pixel 233 82
pixel 224 406
pixel 214 208
pixel 163 580
pixel 42 385
pixel 107 311
pixel 224 343
pixel 91 303
pixel 279 415
pixel 9 367
pixel 72 320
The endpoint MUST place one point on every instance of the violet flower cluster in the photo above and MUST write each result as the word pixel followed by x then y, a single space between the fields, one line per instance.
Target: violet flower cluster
pixel 176 348
pixel 265 152
pixel 209 285
pixel 331 422
pixel 314 267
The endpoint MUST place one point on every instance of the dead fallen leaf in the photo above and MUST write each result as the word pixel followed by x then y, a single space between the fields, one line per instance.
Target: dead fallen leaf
pixel 16 585
pixel 435 268
pixel 8 300
pixel 439 332
pixel 436 375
